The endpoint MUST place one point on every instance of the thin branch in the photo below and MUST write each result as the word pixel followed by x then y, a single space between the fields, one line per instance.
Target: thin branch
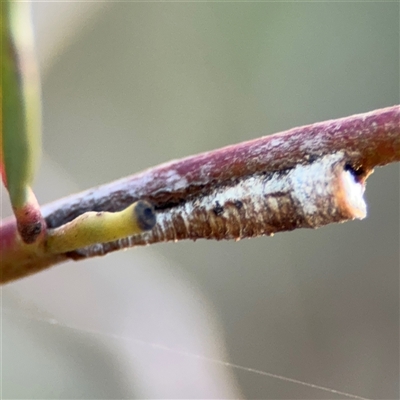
pixel 305 177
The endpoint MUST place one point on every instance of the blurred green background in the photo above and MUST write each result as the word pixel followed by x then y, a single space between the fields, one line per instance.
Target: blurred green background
pixel 130 85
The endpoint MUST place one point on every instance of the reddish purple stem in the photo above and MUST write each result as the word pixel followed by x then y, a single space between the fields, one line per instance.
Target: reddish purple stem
pixel 370 139
pixel 366 140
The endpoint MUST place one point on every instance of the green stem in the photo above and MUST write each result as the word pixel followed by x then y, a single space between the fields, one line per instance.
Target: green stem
pixel 21 116
pixel 101 227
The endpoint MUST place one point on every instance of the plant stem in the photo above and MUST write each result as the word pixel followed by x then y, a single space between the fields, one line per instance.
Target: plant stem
pixel 305 177
pixel 20 117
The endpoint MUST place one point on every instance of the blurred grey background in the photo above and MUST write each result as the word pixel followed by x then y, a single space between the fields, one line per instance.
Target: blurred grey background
pixel 130 85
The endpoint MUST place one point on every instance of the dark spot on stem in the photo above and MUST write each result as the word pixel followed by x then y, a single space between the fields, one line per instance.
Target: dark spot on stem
pixel 145 215
pixel 30 232
pixel 218 209
pixel 357 171
pixel 312 158
pixel 238 204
